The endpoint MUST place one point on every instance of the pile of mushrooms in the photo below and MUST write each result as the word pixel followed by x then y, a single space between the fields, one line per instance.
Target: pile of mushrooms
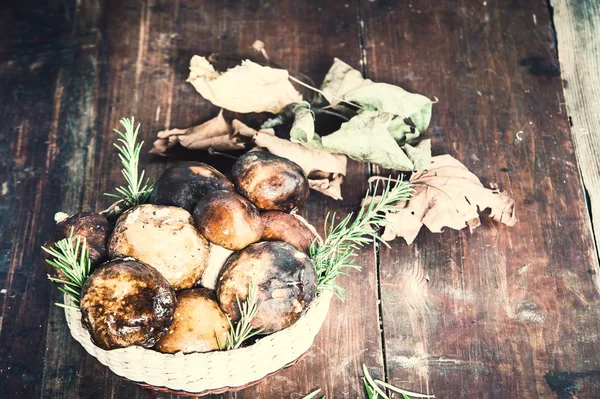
pixel 170 273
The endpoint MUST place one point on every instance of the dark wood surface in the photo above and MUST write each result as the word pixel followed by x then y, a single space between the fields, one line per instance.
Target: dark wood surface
pixel 499 312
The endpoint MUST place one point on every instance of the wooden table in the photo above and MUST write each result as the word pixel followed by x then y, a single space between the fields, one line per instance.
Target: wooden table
pixel 500 312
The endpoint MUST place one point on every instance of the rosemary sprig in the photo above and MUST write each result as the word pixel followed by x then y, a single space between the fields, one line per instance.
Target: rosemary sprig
pixel 137 191
pixel 343 239
pixel 313 395
pixel 243 330
pixel 374 389
pixel 72 258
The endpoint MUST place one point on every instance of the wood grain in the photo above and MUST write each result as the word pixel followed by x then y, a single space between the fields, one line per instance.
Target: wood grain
pixel 127 58
pixel 500 312
pixel 37 54
pixel 577 27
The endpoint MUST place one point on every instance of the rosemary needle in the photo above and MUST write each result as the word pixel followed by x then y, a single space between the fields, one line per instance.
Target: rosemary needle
pixel 343 239
pixel 403 391
pixel 72 258
pixel 313 394
pixel 243 330
pixel 137 191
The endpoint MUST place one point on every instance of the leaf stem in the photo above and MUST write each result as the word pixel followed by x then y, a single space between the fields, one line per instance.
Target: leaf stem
pixel 323 93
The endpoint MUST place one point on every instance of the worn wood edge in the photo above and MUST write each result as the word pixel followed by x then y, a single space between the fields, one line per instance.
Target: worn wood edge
pixel 579 58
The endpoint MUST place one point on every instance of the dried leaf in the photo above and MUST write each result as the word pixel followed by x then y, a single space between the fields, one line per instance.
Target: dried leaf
pixel 331 187
pixel 395 100
pixel 420 155
pixel 216 133
pixel 248 87
pixel 364 138
pixel 447 195
pixel 325 171
pixel 402 132
pixel 344 82
pixel 303 128
pixel 339 81
pixel 245 133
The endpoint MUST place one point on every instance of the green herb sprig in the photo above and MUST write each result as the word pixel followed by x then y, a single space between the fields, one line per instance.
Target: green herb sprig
pixel 243 330
pixel 336 254
pixel 72 258
pixel 375 389
pixel 137 191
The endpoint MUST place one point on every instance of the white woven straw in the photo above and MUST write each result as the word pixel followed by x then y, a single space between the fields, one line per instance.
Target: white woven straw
pixel 200 372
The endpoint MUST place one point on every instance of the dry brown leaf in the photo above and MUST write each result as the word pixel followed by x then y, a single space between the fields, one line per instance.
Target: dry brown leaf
pixel 447 195
pixel 325 171
pixel 215 134
pixel 248 87
pixel 332 186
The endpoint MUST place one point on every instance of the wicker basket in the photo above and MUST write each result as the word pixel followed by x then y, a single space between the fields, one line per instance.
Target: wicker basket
pixel 205 373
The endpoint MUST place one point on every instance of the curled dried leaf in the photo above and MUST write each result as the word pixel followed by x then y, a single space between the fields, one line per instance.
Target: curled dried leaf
pixel 447 195
pixel 343 82
pixel 330 186
pixel 248 87
pixel 216 134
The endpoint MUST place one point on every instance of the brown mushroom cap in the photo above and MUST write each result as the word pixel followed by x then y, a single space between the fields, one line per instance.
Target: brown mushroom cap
pixel 285 279
pixel 165 238
pixel 126 302
pixel 89 225
pixel 198 322
pixel 185 184
pixel 281 226
pixel 228 220
pixel 270 182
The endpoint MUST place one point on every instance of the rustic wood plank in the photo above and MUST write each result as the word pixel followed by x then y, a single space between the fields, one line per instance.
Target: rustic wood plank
pixel 36 42
pixel 500 312
pixel 123 58
pixel 577 25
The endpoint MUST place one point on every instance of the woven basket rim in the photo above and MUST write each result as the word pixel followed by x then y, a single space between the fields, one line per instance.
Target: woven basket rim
pixel 302 334
pixel 319 305
pixel 219 390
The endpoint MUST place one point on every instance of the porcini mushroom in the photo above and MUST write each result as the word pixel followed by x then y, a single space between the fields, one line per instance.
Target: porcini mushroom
pixel 199 324
pixel 281 226
pixel 285 279
pixel 185 184
pixel 89 225
pixel 228 220
pixel 125 302
pixel 270 182
pixel 165 238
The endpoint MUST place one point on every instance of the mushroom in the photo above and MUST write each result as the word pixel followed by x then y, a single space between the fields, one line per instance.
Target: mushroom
pixel 125 302
pixel 89 225
pixel 165 238
pixel 281 226
pixel 199 325
pixel 228 220
pixel 185 184
pixel 270 182
pixel 285 279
